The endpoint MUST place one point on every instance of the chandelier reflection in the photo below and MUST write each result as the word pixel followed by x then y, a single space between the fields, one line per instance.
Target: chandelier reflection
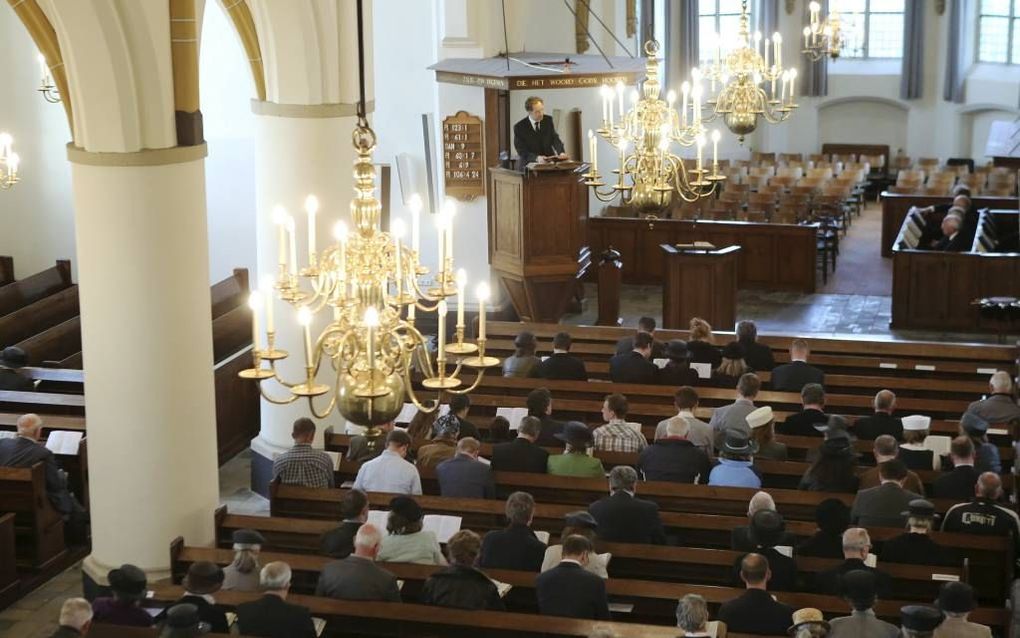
pixel 650 173
pixel 822 38
pixel 366 284
pixel 750 85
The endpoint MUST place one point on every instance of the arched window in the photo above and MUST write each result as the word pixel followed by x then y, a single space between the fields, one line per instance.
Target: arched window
pixel 997 39
pixel 873 29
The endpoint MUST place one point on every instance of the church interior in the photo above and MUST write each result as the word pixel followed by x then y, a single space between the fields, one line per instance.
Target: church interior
pixel 616 318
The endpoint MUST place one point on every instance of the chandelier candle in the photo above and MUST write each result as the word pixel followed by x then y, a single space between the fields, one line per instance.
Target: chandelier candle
pixel 397 229
pixel 461 284
pixel 255 303
pixel 482 292
pixel 415 205
pixel 311 207
pixel 304 317
pixel 267 284
pixel 291 233
pixel 280 219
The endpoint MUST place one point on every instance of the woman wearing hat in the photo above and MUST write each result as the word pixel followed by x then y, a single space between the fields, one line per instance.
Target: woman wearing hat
pixel 835 469
pixel 832 516
pixel 986 454
pixel 677 370
pixel 808 623
pixel 128 586
pixel 915 546
pixel 732 366
pixel 184 621
pixel 443 445
pixel 699 343
pixel 763 433
pixel 582 524
pixel 956 600
pixel 575 460
pixel 406 541
pixel 243 573
pixel 523 362
pixel 913 452
pixel 736 462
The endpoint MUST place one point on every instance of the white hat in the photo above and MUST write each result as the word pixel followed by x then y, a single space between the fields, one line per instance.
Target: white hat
pixel 916 422
pixel 760 417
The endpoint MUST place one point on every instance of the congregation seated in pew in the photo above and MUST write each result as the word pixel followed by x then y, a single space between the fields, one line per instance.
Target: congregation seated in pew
pixel 913 452
pixel 675 457
pixel 575 461
pixel 1000 405
pixel 523 454
pixel 736 462
pixel 986 455
pixel 443 444
pixel 203 580
pixel 271 616
pixel 243 574
pixel 461 585
pixel 882 421
pixel 699 433
pixel 339 541
pixel 756 611
pixel 516 546
pixel 579 523
pixel 406 541
pixel 812 419
pixel 793 376
pixel 302 464
pixel 390 471
pixel 887 504
pixel 523 362
pixel 700 343
pixel 635 366
pixel 832 517
pixel 835 469
pixel 645 325
pixel 767 531
pixel 763 432
pixel 732 366
pixel 860 590
pixel 463 475
pixel 561 364
pixel 569 589
pixel 757 355
pixel 12 359
pixel 357 577
pixel 617 435
pixel 128 585
pixel 734 416
pixel 984 514
pixel 915 546
pixel 623 517
pixel 958 483
pixel 856 548
pixel 539 403
pixel 677 371
pixel 886 448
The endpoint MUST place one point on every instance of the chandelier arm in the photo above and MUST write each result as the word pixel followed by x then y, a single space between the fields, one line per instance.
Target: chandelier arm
pixel 329 408
pixel 279 379
pixel 290 399
pixel 418 403
pixel 474 384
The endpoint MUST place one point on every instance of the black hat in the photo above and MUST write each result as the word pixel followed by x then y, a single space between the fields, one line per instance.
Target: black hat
pixel 677 349
pixel 832 515
pixel 575 434
pixel 767 528
pixel 127 579
pixel 738 443
pixel 858 585
pixel 13 357
pixel 920 508
pixel 185 616
pixel 580 519
pixel 920 617
pixel 406 507
pixel 733 350
pixel 204 577
pixel 956 598
pixel 247 537
pixel 836 447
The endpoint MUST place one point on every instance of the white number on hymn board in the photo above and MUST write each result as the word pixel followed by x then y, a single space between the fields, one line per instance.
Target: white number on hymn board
pixel 452 147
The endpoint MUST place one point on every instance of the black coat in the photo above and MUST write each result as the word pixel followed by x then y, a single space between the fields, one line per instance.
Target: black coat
pixel 563 366
pixel 23 452
pixel 792 377
pixel 918 459
pixel 515 547
pixel 758 356
pixel 676 375
pixel 631 367
pixel 740 540
pixel 957 485
pixel 550 428
pixel 273 617
pixel 802 423
pixel 869 428
pixel 519 455
pixel 12 380
pixel 913 549
pixel 830 581
pixel 627 344
pixel 461 587
pixel 623 518
pixel 339 541
pixel 704 352
pixel 958 244
pixel 676 460
pixel 783 568
pixel 207 612
pixel 755 612
pixel 570 590
pixel 822 545
pixel 530 143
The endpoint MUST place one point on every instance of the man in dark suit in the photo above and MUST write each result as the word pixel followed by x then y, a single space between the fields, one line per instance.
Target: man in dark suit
pixel 522 454
pixel 791 377
pixel 272 616
pixel 569 589
pixel 203 580
pixel 561 364
pixel 757 356
pixel 856 547
pixel 869 428
pixel 634 366
pixel 887 449
pixel 25 450
pixel 357 577
pixel 11 360
pixel 624 518
pixel 959 483
pixel 464 476
pixel 812 419
pixel 887 504
pixel 644 324
pixel 767 530
pixel 339 541
pixel 535 138
pixel 516 546
pixel 539 404
pixel 952 239
pixel 755 611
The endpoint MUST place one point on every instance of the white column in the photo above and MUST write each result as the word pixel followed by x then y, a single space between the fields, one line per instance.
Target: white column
pixel 299 150
pixel 147 342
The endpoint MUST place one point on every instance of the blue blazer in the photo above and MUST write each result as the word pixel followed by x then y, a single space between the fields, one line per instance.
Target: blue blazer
pixel 464 477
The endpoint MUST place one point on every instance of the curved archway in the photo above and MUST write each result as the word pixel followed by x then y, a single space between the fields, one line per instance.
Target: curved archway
pixel 976 122
pixel 867 120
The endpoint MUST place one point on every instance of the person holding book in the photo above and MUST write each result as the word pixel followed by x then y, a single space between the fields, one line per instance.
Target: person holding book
pixel 460 585
pixel 407 541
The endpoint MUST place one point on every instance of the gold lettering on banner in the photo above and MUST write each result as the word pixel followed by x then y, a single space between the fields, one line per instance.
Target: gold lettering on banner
pixel 463 156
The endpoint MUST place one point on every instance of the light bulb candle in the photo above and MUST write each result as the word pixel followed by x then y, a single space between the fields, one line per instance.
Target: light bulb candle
pixel 398 229
pixel 280 219
pixel 371 321
pixel 267 284
pixel 12 166
pixel 605 106
pixel 255 303
pixel 807 36
pixel 311 208
pixel 715 151
pixel 304 318
pixel 777 45
pixel 47 79
pixel 482 293
pixel 622 147
pixel 700 140
pixel 461 284
pixel 592 153
pixel 793 84
pixel 685 90
pixel 293 246
pixel 619 95
pixel 452 212
pixel 441 247
pixel 767 50
pixel 441 356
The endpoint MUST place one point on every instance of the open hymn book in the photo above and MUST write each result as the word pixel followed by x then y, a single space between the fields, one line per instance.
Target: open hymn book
pixel 441 525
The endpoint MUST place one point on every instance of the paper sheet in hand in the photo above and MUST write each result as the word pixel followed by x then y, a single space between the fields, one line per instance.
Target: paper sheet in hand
pixel 442 526
pixel 336 457
pixel 63 442
pixel 8 434
pixel 704 370
pixel 661 363
pixel 501 587
pixel 513 415
pixel 938 444
pixel 871 560
pixel 378 518
pixel 542 536
pixel 319 624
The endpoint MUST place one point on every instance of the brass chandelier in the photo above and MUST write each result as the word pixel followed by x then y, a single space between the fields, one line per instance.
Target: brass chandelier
pixel 822 38
pixel 649 174
pixel 47 86
pixel 368 283
pixel 747 81
pixel 9 161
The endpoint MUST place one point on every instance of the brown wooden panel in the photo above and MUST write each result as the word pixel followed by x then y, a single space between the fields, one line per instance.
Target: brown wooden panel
pixel 895 207
pixel 699 284
pixel 506 239
pixel 38 316
pixel 21 293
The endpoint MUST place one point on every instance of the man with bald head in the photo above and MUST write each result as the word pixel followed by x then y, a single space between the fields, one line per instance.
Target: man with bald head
pixel 869 428
pixel 25 450
pixel 983 515
pixel 999 407
pixel 952 240
pixel 755 611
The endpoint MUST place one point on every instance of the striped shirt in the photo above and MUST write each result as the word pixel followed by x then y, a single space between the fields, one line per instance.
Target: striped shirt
pixel 304 465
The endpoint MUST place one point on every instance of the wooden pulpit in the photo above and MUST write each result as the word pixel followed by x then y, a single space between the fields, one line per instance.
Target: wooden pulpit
pixel 699 283
pixel 537 236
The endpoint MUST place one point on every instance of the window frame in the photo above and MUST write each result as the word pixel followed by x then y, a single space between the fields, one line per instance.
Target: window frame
pixel 866 46
pixel 716 18
pixel 1011 21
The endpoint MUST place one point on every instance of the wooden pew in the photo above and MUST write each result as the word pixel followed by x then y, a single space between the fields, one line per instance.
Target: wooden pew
pixel 6 270
pixel 8 560
pixel 895 207
pixel 53 344
pixel 38 316
pixel 19 294
pixel 38 527
pixel 230 293
pixel 99 630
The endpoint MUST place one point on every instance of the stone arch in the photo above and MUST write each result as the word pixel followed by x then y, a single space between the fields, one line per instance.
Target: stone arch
pixel 863 119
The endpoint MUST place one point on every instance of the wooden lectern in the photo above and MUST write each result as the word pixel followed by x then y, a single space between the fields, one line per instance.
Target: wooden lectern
pixel 699 283
pixel 537 236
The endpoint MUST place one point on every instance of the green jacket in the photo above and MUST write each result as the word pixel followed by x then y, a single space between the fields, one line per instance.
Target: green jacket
pixel 576 464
